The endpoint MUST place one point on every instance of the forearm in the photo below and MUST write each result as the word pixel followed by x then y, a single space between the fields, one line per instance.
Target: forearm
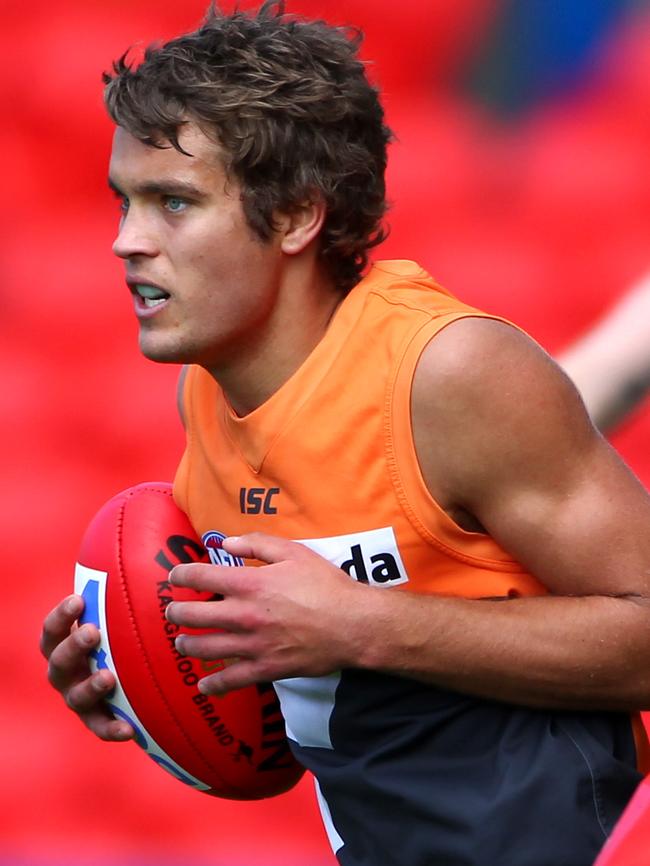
pixel 610 365
pixel 611 382
pixel 300 616
pixel 558 652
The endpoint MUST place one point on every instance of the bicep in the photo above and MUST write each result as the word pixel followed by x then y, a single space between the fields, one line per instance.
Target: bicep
pixel 527 463
pixel 582 529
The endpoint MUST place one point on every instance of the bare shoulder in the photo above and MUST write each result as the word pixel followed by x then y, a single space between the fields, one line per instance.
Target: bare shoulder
pixel 502 437
pixel 487 396
pixel 475 354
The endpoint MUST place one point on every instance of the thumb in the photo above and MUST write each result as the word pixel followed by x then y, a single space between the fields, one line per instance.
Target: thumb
pixel 265 548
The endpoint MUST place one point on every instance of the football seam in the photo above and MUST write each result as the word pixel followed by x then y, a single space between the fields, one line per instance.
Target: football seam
pixel 168 706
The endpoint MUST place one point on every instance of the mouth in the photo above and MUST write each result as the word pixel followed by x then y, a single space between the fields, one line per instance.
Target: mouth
pixel 151 296
pixel 147 296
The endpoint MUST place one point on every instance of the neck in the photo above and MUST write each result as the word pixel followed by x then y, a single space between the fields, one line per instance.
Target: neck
pixel 306 302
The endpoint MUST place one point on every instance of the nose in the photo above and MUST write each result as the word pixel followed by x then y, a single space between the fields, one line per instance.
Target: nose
pixel 135 237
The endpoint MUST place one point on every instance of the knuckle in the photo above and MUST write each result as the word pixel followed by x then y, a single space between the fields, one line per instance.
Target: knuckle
pixel 230 679
pixel 43 645
pixel 79 700
pixel 97 726
pixel 103 732
pixel 262 670
pixel 51 619
pixel 48 638
pixel 56 670
pixel 85 638
pixel 251 620
pixel 53 676
pixel 73 701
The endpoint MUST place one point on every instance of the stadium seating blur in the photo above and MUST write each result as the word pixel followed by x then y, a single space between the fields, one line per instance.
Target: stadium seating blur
pixel 534 205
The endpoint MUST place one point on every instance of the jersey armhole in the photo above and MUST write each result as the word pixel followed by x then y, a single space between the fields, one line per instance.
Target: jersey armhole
pixel 425 514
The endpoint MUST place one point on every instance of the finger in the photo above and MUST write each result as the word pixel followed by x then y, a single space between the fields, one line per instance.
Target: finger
pixel 227 614
pixel 235 676
pixel 221 645
pixel 87 695
pixel 196 614
pixel 69 658
pixel 106 726
pixel 57 624
pixel 87 699
pixel 265 548
pixel 216 579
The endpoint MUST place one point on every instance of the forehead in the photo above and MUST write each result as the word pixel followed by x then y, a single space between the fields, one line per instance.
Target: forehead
pixel 133 161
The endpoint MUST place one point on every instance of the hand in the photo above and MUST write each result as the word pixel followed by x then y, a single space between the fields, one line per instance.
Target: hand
pixel 296 616
pixel 66 646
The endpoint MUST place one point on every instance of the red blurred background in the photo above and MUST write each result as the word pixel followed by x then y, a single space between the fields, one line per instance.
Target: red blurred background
pixel 524 188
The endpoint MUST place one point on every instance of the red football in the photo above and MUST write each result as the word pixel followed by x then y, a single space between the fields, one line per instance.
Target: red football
pixel 232 746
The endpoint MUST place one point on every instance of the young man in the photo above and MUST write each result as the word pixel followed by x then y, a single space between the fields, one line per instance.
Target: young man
pixel 462 635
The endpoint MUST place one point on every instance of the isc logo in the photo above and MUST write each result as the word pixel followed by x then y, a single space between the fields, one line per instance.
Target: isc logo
pixel 371 557
pixel 257 500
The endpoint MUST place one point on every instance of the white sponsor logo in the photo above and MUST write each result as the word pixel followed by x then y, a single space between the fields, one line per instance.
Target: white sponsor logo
pixel 370 557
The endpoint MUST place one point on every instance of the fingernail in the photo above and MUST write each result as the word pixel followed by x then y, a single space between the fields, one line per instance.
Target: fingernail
pixel 98 683
pixel 178 643
pixel 72 605
pixel 86 637
pixel 168 611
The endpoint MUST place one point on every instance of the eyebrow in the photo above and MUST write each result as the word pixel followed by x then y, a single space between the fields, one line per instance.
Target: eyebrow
pixel 179 188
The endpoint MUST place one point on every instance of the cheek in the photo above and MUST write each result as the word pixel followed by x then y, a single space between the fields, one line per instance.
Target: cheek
pixel 224 265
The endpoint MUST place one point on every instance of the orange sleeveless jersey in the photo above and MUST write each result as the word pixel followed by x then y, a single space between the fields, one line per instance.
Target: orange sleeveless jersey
pixel 329 458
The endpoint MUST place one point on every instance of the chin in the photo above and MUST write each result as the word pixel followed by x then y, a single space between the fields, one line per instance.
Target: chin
pixel 156 350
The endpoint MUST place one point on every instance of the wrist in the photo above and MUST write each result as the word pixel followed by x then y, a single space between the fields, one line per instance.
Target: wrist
pixel 370 628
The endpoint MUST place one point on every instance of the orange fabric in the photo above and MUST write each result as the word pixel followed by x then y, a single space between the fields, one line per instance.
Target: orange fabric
pixel 335 440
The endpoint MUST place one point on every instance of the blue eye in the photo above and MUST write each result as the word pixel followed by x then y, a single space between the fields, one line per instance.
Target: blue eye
pixel 175 205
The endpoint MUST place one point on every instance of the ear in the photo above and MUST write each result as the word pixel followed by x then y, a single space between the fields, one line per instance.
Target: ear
pixel 300 226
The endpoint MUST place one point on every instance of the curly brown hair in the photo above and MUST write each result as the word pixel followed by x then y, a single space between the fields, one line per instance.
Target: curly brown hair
pixel 289 103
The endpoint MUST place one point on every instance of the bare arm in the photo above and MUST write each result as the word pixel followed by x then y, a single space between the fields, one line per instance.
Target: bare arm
pixel 610 364
pixel 527 465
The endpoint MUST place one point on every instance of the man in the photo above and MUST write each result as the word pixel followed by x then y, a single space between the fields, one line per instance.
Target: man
pixel 460 639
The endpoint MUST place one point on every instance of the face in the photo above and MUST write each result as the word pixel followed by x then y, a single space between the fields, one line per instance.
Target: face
pixel 203 284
